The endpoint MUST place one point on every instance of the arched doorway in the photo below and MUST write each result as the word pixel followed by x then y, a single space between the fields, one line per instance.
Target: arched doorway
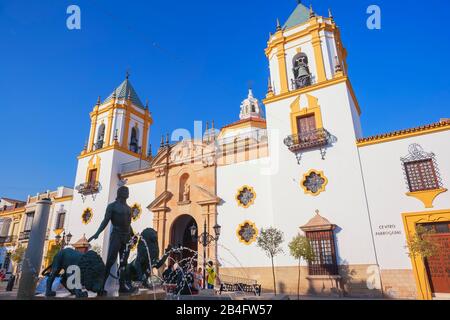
pixel 180 236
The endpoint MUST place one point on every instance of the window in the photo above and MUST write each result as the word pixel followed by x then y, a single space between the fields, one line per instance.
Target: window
pixel 134 141
pixel 314 182
pixel 421 175
pixel 60 218
pixel 247 232
pixel 28 221
pixel 135 211
pixel 324 262
pixel 245 196
pixel 100 137
pixel 92 177
pixel 86 216
pixel 421 170
pixel 4 227
pixel 306 124
pixel 302 76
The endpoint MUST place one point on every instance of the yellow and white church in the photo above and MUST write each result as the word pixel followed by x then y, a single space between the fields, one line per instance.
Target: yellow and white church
pixel 305 167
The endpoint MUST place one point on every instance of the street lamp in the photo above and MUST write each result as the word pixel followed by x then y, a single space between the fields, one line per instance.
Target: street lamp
pixel 205 239
pixel 64 240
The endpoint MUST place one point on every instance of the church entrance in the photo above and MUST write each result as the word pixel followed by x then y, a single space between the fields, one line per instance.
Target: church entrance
pixel 180 236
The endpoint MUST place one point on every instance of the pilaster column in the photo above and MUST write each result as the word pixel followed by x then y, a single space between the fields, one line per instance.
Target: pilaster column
pixel 318 55
pixel 145 134
pixel 127 128
pixel 109 128
pixel 281 56
pixel 94 116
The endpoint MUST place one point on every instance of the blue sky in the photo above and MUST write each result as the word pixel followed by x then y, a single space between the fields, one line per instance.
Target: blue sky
pixel 194 61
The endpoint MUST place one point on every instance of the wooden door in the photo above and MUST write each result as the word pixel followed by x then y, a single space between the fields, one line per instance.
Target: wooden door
pixel 306 124
pixel 92 176
pixel 438 266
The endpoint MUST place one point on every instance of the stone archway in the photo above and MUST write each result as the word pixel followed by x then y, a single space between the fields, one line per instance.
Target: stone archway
pixel 180 236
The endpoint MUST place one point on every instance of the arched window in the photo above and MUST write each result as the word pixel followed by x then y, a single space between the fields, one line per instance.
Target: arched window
pixel 134 140
pixel 300 68
pixel 100 136
pixel 185 188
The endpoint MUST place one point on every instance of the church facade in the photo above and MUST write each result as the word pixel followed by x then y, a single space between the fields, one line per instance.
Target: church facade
pixel 303 167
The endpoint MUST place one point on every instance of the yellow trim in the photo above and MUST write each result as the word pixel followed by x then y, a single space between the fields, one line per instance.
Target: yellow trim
pixel 410 221
pixel 312 108
pixel 63 199
pixel 322 189
pixel 252 200
pixel 137 206
pixel 92 166
pixel 405 135
pixel 58 231
pixel 109 128
pixel 112 147
pixel 94 117
pixel 127 128
pixel 142 115
pixel 90 218
pixel 318 55
pixel 281 56
pixel 427 196
pixel 50 245
pixel 255 236
pixel 145 136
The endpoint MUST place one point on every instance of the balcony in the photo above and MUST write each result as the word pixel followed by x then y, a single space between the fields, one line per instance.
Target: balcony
pixel 8 239
pixel 88 188
pixel 315 139
pixel 25 235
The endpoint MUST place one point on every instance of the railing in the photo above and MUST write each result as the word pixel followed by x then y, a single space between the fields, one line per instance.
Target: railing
pixel 308 140
pixel 134 166
pixel 8 239
pixel 237 284
pixel 25 235
pixel 88 188
pixel 257 135
pixel 98 145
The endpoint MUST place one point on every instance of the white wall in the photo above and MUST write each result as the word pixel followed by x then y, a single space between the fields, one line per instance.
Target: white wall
pixel 343 203
pixel 229 180
pixel 386 188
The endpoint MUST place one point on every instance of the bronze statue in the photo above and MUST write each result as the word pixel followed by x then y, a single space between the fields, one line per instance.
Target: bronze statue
pixel 139 269
pixel 119 214
pixel 92 272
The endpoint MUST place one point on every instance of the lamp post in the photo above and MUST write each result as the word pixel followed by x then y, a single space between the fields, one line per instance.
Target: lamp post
pixel 205 239
pixel 64 240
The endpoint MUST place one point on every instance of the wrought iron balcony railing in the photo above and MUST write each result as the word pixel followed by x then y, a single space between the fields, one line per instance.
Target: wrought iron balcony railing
pixel 88 188
pixel 25 235
pixel 8 239
pixel 308 140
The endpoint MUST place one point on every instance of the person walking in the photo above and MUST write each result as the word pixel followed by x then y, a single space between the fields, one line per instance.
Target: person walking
pixel 211 275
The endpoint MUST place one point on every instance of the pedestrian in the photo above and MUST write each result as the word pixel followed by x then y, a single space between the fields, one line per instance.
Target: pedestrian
pixel 211 275
pixel 198 282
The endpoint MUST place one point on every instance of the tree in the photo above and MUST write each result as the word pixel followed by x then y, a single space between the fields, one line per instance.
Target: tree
pixel 420 245
pixel 301 248
pixel 17 255
pixel 97 248
pixel 270 240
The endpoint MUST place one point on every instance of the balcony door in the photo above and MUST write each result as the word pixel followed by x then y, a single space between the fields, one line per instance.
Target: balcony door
pixel 92 177
pixel 306 124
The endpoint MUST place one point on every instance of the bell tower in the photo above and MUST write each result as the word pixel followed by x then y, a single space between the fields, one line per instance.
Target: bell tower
pixel 313 123
pixel 119 134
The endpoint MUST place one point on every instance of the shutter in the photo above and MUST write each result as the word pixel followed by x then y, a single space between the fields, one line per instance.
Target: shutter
pixel 4 229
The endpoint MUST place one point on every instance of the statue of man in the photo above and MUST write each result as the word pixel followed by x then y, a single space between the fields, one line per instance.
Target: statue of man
pixel 186 193
pixel 119 214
